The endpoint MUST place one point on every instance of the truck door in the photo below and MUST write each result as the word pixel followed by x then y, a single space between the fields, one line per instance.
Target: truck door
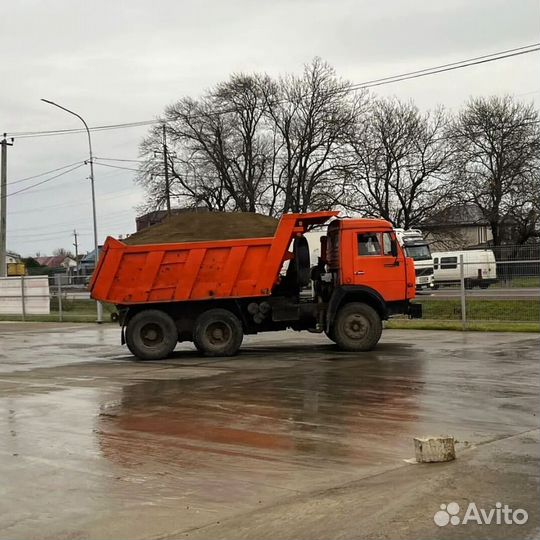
pixel 374 265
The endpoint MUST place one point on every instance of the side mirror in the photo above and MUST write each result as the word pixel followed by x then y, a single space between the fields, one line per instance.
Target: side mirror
pixel 393 248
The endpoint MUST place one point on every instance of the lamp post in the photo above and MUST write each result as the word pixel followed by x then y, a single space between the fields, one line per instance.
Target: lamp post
pixel 99 307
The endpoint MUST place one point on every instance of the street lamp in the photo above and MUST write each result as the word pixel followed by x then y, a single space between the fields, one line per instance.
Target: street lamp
pixel 91 161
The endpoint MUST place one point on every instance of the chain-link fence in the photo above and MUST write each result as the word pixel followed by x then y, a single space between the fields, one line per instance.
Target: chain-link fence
pixel 467 289
pixel 483 290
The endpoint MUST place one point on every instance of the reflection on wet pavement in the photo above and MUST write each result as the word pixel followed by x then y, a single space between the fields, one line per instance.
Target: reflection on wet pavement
pixel 315 412
pixel 94 443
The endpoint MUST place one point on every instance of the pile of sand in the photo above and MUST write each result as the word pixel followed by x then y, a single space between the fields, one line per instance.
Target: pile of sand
pixel 205 226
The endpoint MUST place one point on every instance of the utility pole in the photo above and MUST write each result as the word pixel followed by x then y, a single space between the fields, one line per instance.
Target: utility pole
pixel 76 244
pixel 165 164
pixel 90 161
pixel 3 206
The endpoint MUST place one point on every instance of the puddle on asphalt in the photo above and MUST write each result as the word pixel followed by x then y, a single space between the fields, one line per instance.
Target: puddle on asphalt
pixel 318 410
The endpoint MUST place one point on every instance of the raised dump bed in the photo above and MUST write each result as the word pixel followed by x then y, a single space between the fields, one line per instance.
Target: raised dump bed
pixel 175 272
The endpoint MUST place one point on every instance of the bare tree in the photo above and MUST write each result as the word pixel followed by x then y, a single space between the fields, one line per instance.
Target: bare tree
pixel 63 252
pixel 523 220
pixel 399 163
pixel 497 147
pixel 221 154
pixel 253 144
pixel 310 116
pixel 193 181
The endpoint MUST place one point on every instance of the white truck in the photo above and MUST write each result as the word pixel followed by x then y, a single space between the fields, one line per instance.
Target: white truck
pixel 417 248
pixel 479 268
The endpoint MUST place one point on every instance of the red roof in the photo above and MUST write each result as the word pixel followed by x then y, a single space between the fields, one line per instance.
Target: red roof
pixel 52 262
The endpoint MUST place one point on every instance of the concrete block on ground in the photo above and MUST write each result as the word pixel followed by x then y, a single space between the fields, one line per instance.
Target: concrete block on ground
pixel 434 449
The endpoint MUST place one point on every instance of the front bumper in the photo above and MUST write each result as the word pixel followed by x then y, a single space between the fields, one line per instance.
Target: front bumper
pixel 424 282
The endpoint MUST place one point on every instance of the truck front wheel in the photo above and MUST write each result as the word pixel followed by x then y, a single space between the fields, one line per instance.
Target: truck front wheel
pixel 357 327
pixel 151 335
pixel 218 332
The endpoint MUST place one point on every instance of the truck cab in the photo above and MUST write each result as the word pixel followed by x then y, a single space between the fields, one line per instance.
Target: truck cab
pixel 367 265
pixel 365 254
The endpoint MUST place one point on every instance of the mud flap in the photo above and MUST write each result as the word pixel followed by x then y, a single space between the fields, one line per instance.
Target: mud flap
pixel 414 311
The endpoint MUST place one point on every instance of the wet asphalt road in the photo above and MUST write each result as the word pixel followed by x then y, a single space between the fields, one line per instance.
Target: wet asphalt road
pixel 291 439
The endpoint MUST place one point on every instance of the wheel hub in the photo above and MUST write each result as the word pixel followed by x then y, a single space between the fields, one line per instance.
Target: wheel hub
pixel 218 333
pixel 356 326
pixel 152 334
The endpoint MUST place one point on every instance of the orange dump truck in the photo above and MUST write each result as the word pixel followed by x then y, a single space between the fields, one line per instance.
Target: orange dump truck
pixel 212 293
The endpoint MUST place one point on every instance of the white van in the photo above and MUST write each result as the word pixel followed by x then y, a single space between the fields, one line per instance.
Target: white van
pixel 479 267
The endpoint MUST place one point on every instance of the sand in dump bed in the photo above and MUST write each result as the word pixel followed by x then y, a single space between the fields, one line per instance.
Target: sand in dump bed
pixel 204 226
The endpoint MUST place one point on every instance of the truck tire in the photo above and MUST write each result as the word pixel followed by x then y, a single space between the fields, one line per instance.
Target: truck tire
pixel 151 335
pixel 357 327
pixel 301 261
pixel 218 332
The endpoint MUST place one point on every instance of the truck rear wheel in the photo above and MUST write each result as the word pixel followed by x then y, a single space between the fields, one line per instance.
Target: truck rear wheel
pixel 357 327
pixel 151 335
pixel 218 332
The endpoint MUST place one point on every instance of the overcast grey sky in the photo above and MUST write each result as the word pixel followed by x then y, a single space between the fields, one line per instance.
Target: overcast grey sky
pixel 124 61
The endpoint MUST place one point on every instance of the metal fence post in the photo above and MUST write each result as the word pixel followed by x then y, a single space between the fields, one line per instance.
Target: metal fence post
pixel 462 291
pixel 23 301
pixel 59 293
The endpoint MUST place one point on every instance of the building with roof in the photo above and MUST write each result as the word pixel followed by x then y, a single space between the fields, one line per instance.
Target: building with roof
pixel 12 257
pixel 57 262
pixel 457 227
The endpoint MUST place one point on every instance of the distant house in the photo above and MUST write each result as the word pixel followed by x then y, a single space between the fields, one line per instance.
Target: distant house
pixel 457 227
pixel 12 257
pixel 157 216
pixel 87 262
pixel 57 262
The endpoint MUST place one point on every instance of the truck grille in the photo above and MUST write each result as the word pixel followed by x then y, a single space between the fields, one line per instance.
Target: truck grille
pixel 424 271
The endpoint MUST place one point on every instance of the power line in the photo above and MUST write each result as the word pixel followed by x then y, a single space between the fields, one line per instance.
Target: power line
pixel 24 134
pixel 529 93
pixel 501 55
pixel 343 152
pixel 52 238
pixel 120 159
pixel 113 195
pixel 40 235
pixel 44 181
pixel 70 222
pixel 456 65
pixel 438 69
pixel 44 173
pixel 117 167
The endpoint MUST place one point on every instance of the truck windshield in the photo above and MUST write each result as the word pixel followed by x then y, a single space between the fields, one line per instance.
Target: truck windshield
pixel 418 253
